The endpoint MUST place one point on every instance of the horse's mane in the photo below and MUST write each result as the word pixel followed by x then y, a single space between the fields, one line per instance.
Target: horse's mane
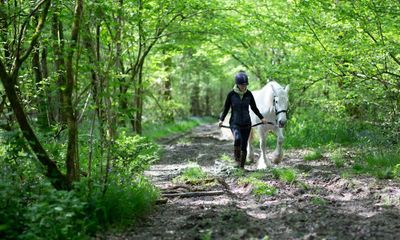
pixel 264 97
pixel 275 85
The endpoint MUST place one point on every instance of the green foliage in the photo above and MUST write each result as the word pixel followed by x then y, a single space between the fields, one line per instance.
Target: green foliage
pixel 30 208
pixel 192 175
pixel 44 213
pixel 287 175
pixel 55 215
pixel 382 164
pixel 133 154
pixel 260 188
pixel 259 174
pixel 316 128
pixel 338 159
pixel 207 235
pixel 157 131
pixel 302 185
pixel 313 155
pixel 226 158
pixel 318 201
pixel 122 203
pixel 340 57
pixel 11 209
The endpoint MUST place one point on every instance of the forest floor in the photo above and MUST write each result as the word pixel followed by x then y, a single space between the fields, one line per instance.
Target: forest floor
pixel 323 203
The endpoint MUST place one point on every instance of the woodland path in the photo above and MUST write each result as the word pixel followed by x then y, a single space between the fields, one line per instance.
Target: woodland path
pixel 319 205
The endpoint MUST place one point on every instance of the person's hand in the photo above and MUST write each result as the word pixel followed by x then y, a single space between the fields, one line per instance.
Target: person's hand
pixel 264 121
pixel 220 123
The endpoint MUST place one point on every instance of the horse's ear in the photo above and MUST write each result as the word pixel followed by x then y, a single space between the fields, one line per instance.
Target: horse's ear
pixel 273 89
pixel 287 88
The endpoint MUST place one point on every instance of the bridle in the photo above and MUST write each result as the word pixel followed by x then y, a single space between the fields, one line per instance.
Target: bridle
pixel 276 110
pixel 281 111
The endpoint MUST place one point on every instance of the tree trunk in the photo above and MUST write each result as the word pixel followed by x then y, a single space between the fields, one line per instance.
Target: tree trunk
pixel 195 100
pixel 139 102
pixel 50 113
pixel 168 115
pixel 57 179
pixel 59 65
pixel 119 66
pixel 41 99
pixel 72 160
pixel 207 111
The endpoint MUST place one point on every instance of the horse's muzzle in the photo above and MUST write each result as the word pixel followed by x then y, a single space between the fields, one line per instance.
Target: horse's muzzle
pixel 281 123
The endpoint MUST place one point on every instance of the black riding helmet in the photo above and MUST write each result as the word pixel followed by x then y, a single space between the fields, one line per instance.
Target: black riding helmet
pixel 241 78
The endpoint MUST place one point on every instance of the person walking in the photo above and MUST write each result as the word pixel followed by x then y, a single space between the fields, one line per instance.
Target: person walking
pixel 239 100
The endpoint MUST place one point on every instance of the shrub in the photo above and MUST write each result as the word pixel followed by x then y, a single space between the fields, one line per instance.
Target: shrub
pixel 124 203
pixel 133 155
pixel 30 208
pixel 55 215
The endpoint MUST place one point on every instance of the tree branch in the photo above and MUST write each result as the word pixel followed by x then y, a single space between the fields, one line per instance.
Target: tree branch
pixel 18 61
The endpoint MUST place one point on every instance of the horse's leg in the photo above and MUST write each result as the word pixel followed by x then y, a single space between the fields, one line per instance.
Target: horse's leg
pixel 263 161
pixel 277 155
pixel 250 152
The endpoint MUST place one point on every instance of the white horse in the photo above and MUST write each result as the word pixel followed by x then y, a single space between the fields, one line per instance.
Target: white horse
pixel 272 101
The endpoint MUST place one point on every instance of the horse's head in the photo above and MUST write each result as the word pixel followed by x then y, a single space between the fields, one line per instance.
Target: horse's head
pixel 281 103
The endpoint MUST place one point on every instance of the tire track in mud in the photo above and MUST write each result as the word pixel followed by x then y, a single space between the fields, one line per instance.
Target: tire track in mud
pixel 320 205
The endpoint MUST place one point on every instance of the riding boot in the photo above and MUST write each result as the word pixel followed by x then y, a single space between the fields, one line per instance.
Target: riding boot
pixel 237 154
pixel 243 158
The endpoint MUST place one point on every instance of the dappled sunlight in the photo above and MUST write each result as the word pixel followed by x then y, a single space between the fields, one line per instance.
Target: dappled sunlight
pixel 294 197
pixel 109 111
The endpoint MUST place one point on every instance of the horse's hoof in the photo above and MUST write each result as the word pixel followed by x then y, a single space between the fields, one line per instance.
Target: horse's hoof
pixel 277 160
pixel 261 166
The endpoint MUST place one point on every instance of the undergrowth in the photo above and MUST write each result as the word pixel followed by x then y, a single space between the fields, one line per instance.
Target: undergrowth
pixel 30 208
pixel 156 131
pixel 382 164
pixel 313 155
pixel 326 133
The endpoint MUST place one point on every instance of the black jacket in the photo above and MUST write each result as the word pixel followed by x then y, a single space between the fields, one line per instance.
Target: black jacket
pixel 240 115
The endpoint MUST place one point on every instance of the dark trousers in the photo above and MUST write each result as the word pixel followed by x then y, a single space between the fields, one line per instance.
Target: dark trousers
pixel 241 137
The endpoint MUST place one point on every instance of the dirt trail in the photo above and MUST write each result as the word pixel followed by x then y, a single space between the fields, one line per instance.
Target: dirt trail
pixel 320 205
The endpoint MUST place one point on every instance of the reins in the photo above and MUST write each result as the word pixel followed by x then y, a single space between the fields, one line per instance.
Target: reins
pixel 271 123
pixel 224 126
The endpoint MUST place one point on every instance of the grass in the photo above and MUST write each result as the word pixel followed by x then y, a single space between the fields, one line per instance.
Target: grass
pixel 318 201
pixel 328 133
pixel 193 175
pixel 156 131
pixel 226 158
pixel 313 155
pixel 207 235
pixel 260 188
pixel 312 129
pixel 287 175
pixel 338 159
pixel 380 164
